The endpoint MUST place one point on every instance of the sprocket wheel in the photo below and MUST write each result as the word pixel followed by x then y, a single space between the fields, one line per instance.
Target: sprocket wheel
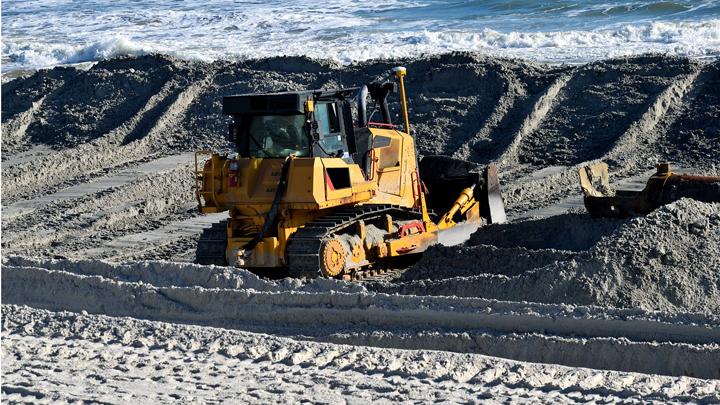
pixel 332 258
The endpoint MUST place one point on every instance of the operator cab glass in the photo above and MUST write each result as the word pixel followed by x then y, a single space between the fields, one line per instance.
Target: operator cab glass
pixel 275 136
pixel 331 137
pixel 311 124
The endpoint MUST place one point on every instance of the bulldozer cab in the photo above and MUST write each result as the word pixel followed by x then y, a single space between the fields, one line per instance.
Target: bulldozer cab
pixel 304 124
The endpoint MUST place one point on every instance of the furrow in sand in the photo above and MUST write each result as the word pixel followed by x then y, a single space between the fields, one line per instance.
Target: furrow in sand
pixel 635 340
pixel 539 111
pixel 106 153
pixel 92 335
pixel 126 176
pixel 14 129
pixel 634 148
pixel 467 151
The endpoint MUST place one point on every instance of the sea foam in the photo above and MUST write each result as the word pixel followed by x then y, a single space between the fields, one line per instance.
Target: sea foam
pixel 346 32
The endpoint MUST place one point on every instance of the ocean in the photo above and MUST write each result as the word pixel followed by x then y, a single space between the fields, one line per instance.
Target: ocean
pixel 46 33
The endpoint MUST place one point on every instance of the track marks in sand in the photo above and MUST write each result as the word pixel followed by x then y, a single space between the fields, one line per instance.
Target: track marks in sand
pixel 538 113
pixel 586 122
pixel 97 185
pixel 694 133
pixel 134 244
pixel 633 154
pixel 123 355
pixel 468 150
pixel 645 132
pixel 628 339
pixel 91 214
pixel 14 129
pixel 108 152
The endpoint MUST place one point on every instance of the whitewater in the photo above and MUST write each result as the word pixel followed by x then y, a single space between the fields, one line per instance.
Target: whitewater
pixel 42 34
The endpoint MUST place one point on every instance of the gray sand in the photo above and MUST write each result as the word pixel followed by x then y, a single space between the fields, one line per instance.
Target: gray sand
pixel 668 260
pixel 97 165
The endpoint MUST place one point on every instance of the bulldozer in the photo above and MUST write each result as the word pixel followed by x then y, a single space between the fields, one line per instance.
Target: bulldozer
pixel 663 187
pixel 315 188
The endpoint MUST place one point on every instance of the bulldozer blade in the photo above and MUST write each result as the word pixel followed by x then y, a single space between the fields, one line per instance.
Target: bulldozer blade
pixel 446 177
pixel 664 187
pixel 457 234
pixel 492 207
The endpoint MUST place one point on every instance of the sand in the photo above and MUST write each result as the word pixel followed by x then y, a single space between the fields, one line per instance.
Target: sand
pixel 668 260
pixel 99 227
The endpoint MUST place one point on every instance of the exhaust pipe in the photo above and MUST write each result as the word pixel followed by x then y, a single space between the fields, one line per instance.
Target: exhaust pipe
pixel 362 107
pixel 400 73
pixel 379 93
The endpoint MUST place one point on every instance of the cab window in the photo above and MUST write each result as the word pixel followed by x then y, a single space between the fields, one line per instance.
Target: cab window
pixel 277 136
pixel 331 137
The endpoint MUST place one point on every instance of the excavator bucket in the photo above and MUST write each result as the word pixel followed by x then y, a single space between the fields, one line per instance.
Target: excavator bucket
pixel 595 180
pixel 664 187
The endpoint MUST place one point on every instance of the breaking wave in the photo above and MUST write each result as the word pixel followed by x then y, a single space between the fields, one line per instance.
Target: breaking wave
pixel 55 33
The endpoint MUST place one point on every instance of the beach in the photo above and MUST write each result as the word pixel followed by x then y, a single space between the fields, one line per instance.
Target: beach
pixel 101 301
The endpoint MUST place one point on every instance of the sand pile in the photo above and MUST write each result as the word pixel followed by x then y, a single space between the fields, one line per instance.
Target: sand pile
pixel 526 116
pixel 668 260
pixel 102 159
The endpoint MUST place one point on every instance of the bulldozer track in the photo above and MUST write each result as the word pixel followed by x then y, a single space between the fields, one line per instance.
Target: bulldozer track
pixel 303 251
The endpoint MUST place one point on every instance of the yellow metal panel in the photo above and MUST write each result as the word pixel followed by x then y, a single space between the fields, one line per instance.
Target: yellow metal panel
pixel 394 167
pixel 415 243
pixel 302 185
pixel 267 179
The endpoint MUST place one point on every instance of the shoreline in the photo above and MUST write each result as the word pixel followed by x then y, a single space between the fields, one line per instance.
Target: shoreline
pixel 24 72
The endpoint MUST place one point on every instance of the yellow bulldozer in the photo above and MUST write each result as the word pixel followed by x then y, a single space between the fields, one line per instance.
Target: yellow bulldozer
pixel 317 189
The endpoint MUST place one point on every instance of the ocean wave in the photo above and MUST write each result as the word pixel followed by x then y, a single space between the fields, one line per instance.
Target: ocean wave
pixel 694 39
pixel 38 55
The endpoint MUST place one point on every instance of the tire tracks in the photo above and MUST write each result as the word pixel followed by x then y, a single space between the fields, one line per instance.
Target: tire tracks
pixel 632 340
pixel 490 374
